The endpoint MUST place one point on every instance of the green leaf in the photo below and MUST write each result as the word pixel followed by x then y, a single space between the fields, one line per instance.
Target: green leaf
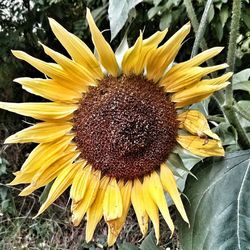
pixel 241 80
pixel 156 2
pixel 153 11
pixel 149 243
pixel 241 76
pixel 165 21
pixel 201 106
pixel 246 17
pixel 3 166
pixel 219 210
pixel 219 30
pixel 118 14
pixel 176 162
pixel 45 193
pixel 245 105
pixel 128 246
pixel 242 86
pixel 211 13
pixel 224 14
pixel 227 133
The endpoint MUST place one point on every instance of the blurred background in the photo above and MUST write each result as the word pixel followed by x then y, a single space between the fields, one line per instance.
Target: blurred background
pixel 23 23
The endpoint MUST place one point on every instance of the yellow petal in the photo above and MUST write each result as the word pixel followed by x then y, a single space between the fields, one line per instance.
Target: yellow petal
pixel 80 183
pixel 160 58
pixel 152 210
pixel 216 81
pixel 132 56
pixel 190 95
pixel 45 154
pixel 196 123
pixel 169 184
pixel 139 206
pixel 22 178
pixel 77 49
pixel 112 203
pixel 79 209
pixel 82 78
pixel 115 226
pixel 199 59
pixel 105 52
pixel 42 178
pixel 49 89
pixel 52 70
pixel 189 101
pixel 154 40
pixel 176 80
pixel 32 172
pixel 39 132
pixel 155 189
pixel 135 58
pixel 41 111
pixel 94 213
pixel 201 147
pixel 62 182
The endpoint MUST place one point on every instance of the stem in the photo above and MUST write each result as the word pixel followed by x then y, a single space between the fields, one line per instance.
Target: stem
pixel 192 16
pixel 219 97
pixel 228 109
pixel 235 23
pixel 224 104
pixel 241 112
pixel 215 118
pixel 234 121
pixel 202 28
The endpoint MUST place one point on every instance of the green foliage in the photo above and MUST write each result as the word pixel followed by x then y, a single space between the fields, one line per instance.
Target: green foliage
pixel 219 205
pixel 149 243
pixel 241 80
pixel 7 205
pixel 118 14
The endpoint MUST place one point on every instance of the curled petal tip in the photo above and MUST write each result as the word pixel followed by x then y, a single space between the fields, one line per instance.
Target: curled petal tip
pixel 51 20
pixel 18 53
pixel 220 48
pixel 10 184
pixel 18 80
pixel 188 24
pixel 22 194
pixel 88 11
pixel 15 52
pixel 7 141
pixel 34 217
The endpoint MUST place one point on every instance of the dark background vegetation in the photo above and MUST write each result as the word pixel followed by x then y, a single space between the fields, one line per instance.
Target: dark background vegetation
pixel 25 22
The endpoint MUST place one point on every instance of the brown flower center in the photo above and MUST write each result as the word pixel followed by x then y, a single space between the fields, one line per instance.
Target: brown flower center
pixel 125 127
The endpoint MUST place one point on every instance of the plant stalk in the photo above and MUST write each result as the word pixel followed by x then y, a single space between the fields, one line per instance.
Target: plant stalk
pixel 200 41
pixel 234 30
pixel 226 104
pixel 201 29
pixel 232 118
pixel 215 118
pixel 228 108
pixel 193 18
pixel 241 112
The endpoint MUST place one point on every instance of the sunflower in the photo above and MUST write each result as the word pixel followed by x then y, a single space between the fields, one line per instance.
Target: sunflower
pixel 110 127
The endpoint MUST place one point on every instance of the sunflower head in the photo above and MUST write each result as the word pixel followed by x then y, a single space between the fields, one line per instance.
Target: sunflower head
pixel 108 130
pixel 125 127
